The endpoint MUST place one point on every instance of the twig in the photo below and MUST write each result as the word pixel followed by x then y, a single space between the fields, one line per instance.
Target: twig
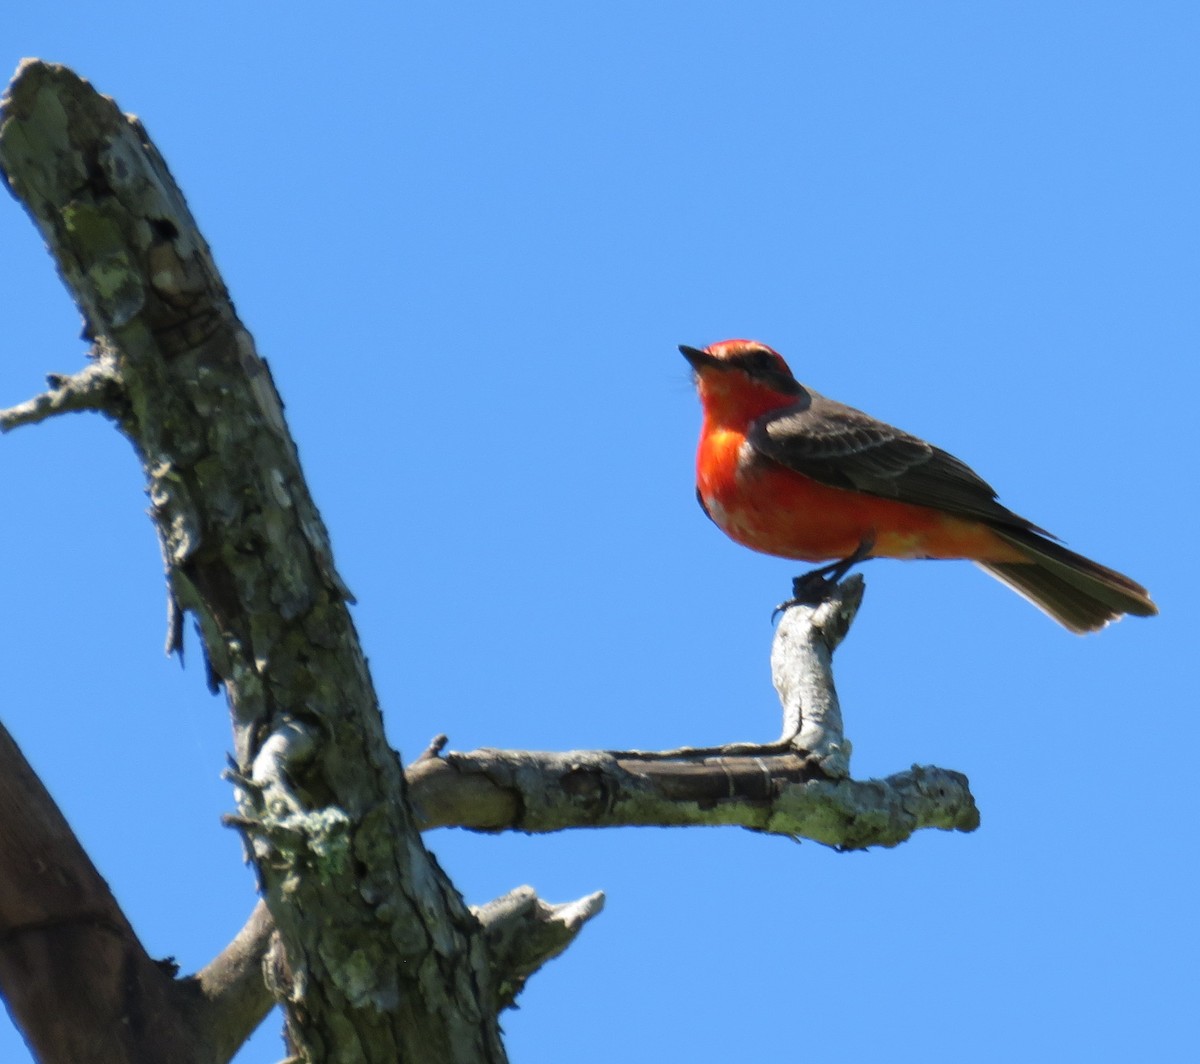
pixel 523 933
pixel 802 669
pixel 95 387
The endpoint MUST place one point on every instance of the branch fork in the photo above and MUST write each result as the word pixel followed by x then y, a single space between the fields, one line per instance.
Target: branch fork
pixel 95 387
pixel 799 785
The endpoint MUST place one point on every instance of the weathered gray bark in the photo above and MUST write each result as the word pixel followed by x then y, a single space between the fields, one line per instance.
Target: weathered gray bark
pixel 384 961
pixel 799 785
pixel 764 788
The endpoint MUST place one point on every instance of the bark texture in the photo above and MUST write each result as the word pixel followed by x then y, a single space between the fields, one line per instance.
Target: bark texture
pixel 384 961
pixel 764 788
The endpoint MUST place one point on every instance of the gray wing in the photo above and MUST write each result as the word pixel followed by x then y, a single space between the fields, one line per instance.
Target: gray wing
pixel 845 448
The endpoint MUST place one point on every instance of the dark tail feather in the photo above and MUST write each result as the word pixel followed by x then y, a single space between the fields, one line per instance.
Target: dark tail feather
pixel 1080 594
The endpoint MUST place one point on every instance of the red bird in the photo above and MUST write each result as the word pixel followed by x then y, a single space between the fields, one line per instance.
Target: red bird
pixel 785 471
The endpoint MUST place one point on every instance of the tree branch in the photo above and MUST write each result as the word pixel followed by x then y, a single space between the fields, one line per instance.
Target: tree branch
pixel 798 786
pixel 95 387
pixel 768 790
pixel 74 974
pixel 234 995
pixel 524 932
pixel 802 670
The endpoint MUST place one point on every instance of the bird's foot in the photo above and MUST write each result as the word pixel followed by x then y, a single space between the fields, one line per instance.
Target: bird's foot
pixel 813 588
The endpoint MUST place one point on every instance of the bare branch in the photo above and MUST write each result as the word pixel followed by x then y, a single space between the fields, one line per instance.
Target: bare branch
pixel 232 988
pixel 802 668
pixel 770 791
pixel 523 933
pixel 95 387
pixel 798 786
pixel 71 968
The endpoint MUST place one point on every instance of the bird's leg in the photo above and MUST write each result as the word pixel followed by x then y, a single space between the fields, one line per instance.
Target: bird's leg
pixel 811 588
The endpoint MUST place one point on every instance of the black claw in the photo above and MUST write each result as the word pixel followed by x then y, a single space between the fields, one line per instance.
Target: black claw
pixel 813 588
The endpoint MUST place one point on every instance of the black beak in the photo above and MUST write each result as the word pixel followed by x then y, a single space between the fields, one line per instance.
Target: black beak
pixel 698 359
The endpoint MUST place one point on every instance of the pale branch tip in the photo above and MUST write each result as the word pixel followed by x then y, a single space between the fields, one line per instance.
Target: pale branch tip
pixel 802 671
pixel 95 387
pixel 436 745
pixel 524 932
pixel 175 615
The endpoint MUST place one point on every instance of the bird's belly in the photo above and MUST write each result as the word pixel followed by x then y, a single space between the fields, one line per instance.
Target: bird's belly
pixel 771 509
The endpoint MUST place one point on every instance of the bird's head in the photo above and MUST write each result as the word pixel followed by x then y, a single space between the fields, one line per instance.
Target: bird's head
pixel 741 374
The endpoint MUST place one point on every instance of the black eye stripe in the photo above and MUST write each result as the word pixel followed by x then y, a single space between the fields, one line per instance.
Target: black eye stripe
pixel 757 362
pixel 765 367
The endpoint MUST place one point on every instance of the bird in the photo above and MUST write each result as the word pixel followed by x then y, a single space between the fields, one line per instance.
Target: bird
pixel 785 471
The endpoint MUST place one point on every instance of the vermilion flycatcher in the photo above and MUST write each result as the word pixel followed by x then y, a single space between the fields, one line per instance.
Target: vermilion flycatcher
pixel 785 471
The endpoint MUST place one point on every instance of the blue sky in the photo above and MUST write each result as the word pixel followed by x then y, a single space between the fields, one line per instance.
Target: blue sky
pixel 468 238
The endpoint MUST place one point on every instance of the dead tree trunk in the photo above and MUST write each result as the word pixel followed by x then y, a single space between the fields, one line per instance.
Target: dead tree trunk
pixel 382 954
